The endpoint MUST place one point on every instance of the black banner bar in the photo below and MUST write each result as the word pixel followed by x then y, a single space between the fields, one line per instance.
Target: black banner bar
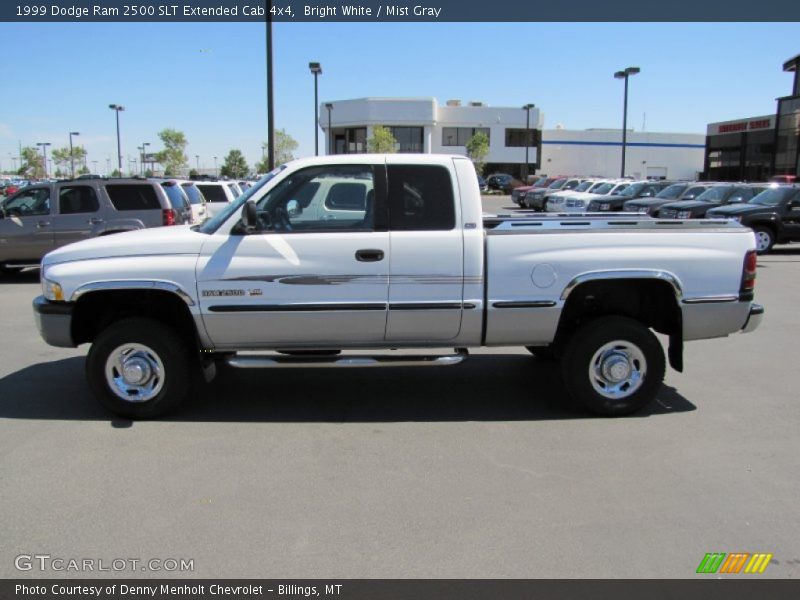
pixel 371 11
pixel 706 588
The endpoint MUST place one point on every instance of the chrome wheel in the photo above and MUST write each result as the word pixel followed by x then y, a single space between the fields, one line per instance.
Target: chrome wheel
pixel 617 369
pixel 134 372
pixel 763 240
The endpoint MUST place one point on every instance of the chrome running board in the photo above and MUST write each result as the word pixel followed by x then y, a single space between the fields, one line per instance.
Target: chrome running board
pixel 323 362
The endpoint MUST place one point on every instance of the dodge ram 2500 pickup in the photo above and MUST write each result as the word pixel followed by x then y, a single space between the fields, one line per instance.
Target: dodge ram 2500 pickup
pixel 371 252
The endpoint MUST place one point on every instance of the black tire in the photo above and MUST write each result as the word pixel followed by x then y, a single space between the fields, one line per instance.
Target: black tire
pixel 640 349
pixel 167 346
pixel 542 352
pixel 765 239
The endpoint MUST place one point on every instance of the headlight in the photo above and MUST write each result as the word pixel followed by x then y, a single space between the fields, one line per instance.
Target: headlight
pixel 737 218
pixel 684 214
pixel 642 210
pixel 52 291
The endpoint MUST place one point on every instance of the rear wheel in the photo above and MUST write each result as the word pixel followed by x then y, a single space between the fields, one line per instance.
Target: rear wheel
pixel 139 368
pixel 765 239
pixel 613 366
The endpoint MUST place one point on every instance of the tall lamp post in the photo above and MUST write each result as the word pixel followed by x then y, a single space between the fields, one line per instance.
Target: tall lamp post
pixel 197 161
pixel 144 157
pixel 270 94
pixel 329 106
pixel 316 69
pixel 94 165
pixel 117 108
pixel 215 167
pixel 527 108
pixel 71 155
pixel 43 146
pixel 625 75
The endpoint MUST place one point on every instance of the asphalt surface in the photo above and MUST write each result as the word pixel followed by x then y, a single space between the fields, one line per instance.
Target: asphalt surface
pixel 478 470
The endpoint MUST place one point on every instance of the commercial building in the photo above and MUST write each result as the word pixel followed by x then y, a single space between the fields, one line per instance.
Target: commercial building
pixel 756 148
pixel 424 125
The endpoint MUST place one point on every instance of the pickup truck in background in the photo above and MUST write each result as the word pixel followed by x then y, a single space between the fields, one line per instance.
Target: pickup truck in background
pixel 376 252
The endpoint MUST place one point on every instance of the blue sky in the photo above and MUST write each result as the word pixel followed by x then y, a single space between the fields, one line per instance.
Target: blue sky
pixel 208 80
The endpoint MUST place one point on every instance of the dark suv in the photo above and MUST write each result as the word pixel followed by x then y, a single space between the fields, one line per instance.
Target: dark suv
pixel 673 193
pixel 774 216
pixel 716 195
pixel 637 189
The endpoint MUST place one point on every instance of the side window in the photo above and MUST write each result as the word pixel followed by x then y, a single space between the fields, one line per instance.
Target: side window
pixel 133 197
pixel 213 193
pixel 29 203
pixel 325 198
pixel 741 195
pixel 420 198
pixel 77 199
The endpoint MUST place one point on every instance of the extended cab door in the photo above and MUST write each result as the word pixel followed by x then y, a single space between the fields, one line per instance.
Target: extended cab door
pixel 77 214
pixel 302 280
pixel 426 286
pixel 26 232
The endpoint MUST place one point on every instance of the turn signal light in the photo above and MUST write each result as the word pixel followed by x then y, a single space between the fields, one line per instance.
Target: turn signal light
pixel 169 216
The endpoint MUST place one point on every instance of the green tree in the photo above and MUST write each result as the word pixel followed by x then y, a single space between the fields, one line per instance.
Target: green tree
pixel 382 141
pixel 61 156
pixel 116 173
pixel 84 170
pixel 32 163
pixel 149 173
pixel 173 156
pixel 285 145
pixel 478 150
pixel 234 165
pixel 193 174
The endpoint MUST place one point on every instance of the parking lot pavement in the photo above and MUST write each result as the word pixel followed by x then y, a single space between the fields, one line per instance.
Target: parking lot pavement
pixel 478 470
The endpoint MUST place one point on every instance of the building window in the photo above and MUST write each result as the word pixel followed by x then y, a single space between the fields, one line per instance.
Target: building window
pixel 409 139
pixel 515 138
pixel 355 140
pixel 460 136
pixel 787 152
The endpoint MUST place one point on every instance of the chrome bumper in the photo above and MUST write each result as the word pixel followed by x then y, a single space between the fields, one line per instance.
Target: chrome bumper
pixel 754 318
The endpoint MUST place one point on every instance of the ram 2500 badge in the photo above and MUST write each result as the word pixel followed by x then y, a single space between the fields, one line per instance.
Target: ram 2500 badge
pixel 373 252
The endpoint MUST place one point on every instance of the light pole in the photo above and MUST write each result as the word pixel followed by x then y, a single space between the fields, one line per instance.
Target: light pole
pixel 94 166
pixel 625 75
pixel 270 95
pixel 316 69
pixel 527 108
pixel 71 155
pixel 144 157
pixel 329 106
pixel 117 108
pixel 215 167
pixel 43 146
pixel 197 162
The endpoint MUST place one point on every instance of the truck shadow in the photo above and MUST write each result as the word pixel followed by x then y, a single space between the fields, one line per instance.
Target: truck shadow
pixel 497 387
pixel 25 276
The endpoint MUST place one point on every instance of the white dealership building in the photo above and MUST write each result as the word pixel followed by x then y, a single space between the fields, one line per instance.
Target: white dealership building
pixel 424 125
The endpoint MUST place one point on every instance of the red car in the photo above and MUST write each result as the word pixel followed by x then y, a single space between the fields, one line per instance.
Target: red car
pixel 518 194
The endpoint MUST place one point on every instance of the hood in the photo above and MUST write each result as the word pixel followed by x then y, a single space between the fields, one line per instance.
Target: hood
pixel 741 209
pixel 690 204
pixel 651 201
pixel 144 242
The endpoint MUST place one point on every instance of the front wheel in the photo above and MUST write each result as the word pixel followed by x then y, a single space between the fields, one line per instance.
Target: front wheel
pixel 139 368
pixel 613 366
pixel 765 239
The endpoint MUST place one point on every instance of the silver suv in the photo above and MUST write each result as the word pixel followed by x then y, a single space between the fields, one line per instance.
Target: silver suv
pixel 45 216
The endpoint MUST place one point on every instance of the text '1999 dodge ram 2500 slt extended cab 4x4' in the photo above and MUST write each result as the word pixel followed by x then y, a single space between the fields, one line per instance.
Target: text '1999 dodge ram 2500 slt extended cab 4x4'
pixel 371 252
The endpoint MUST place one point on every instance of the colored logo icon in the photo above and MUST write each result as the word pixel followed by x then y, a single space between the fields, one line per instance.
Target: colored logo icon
pixel 734 563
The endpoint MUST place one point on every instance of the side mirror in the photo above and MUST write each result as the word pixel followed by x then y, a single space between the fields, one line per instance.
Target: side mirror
pixel 249 216
pixel 293 208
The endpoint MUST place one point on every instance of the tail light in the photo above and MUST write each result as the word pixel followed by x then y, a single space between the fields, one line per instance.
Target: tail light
pixel 746 291
pixel 168 216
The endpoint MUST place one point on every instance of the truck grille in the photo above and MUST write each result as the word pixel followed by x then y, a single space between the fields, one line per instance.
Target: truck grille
pixel 667 213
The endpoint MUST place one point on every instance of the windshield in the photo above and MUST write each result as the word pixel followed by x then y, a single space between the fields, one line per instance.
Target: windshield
pixel 211 225
pixel 603 189
pixel 633 190
pixel 771 197
pixel 194 194
pixel 617 191
pixel 557 184
pixel 672 192
pixel 715 194
pixel 584 186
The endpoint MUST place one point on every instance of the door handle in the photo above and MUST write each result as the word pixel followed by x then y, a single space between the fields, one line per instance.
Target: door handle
pixel 94 221
pixel 42 224
pixel 369 255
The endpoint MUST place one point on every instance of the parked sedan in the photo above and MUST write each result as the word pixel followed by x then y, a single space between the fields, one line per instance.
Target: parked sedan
pixel 502 182
pixel 675 192
pixel 716 195
pixel 637 189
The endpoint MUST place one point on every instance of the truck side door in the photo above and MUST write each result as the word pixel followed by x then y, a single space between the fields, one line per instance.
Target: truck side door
pixel 301 280
pixel 426 285
pixel 77 214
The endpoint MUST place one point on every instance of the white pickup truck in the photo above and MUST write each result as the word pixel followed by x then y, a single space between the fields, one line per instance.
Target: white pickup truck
pixel 372 252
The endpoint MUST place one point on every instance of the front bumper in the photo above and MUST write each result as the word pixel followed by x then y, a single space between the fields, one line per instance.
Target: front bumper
pixel 754 318
pixel 54 321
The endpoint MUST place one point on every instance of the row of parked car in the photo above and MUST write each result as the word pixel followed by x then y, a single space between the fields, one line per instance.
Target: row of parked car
pixel 772 210
pixel 48 214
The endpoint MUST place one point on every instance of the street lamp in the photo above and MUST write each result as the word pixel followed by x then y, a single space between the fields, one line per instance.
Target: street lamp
pixel 117 108
pixel 527 108
pixel 215 167
pixel 71 155
pixel 625 75
pixel 94 166
pixel 43 146
pixel 316 69
pixel 197 161
pixel 144 156
pixel 329 106
pixel 270 91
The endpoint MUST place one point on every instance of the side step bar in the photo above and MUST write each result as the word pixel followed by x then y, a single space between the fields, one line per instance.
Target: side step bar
pixel 323 362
